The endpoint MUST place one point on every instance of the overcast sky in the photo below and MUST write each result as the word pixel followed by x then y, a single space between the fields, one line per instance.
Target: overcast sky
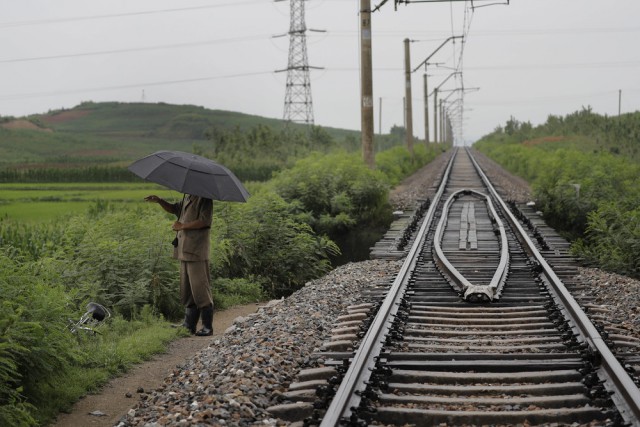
pixel 529 59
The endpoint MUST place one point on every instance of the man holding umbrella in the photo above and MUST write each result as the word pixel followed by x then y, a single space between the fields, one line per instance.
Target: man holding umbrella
pixel 194 222
pixel 201 180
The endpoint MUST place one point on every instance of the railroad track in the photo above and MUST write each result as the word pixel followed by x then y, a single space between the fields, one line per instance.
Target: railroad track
pixel 476 329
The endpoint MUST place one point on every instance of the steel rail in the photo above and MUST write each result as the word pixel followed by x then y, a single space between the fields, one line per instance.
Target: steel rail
pixel 626 395
pixel 469 290
pixel 347 397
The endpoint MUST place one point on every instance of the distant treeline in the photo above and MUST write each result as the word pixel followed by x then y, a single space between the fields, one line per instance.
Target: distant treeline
pixel 584 130
pixel 85 174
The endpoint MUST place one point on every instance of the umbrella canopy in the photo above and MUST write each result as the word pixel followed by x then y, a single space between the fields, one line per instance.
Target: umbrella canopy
pixel 191 174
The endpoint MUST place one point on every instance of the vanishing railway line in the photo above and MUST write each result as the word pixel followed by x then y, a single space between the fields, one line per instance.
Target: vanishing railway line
pixel 476 329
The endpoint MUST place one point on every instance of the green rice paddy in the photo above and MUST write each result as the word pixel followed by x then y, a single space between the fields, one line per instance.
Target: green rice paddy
pixel 46 202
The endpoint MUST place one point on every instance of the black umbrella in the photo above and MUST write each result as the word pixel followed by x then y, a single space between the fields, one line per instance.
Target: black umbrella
pixel 191 174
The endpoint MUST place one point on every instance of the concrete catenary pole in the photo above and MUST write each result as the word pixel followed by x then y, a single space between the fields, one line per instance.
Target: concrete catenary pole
pixel 440 121
pixel 426 110
pixel 380 116
pixel 619 101
pixel 435 115
pixel 366 84
pixel 407 97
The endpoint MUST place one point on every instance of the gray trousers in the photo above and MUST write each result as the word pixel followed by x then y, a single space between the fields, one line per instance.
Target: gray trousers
pixel 195 284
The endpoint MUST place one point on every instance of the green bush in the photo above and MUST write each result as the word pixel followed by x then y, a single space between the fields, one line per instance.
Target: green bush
pixel 612 239
pixel 233 292
pixel 31 240
pixel 268 242
pixel 338 192
pixel 397 163
pixel 44 367
pixel 123 260
pixel 34 344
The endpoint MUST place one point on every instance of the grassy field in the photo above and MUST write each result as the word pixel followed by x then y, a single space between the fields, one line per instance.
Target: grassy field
pixel 32 203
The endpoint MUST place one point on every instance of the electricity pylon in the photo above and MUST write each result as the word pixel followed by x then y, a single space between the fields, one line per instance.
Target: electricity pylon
pixel 298 106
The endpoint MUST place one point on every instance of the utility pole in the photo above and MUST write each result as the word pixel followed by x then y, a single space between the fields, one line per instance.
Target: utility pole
pixel 380 116
pixel 448 128
pixel 298 106
pixel 619 101
pixel 441 121
pixel 366 84
pixel 404 114
pixel 407 97
pixel 435 115
pixel 426 110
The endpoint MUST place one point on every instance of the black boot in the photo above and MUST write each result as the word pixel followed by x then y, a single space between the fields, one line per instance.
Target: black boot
pixel 207 322
pixel 191 316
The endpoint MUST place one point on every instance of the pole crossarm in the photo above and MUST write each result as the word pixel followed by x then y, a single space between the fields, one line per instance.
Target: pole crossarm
pixel 466 89
pixel 444 81
pixel 435 51
pixel 451 93
pixel 375 9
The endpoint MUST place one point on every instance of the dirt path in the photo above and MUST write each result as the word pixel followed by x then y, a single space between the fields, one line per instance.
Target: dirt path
pixel 113 401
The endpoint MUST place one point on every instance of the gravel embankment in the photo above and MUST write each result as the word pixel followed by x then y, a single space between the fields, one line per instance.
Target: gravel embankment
pixel 238 376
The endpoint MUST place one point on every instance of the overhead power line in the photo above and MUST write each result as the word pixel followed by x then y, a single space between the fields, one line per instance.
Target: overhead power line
pixel 128 86
pixel 543 99
pixel 127 14
pixel 136 49
pixel 610 64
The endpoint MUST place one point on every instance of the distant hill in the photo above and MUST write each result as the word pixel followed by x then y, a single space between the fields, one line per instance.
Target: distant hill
pixel 115 133
pixel 147 120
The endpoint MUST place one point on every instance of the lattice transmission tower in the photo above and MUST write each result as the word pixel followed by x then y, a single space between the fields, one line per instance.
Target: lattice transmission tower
pixel 298 106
